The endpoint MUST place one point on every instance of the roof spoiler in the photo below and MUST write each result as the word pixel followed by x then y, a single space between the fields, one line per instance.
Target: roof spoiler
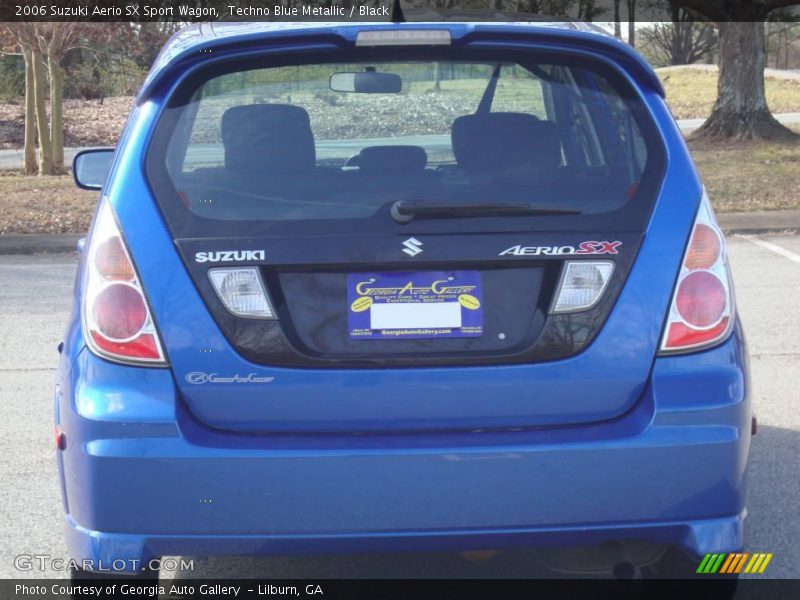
pixel 189 43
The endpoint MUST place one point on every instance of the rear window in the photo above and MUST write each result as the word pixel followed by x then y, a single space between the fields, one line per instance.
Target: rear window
pixel 283 146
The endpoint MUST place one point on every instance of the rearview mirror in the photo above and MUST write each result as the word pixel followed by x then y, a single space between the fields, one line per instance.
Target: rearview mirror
pixel 90 167
pixel 366 82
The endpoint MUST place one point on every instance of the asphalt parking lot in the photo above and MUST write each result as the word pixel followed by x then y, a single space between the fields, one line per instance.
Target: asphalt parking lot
pixel 34 303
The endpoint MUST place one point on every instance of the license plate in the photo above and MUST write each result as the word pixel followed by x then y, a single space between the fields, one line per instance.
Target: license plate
pixel 415 305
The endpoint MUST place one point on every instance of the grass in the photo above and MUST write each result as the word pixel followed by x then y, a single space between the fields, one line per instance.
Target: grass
pixel 749 176
pixel 32 204
pixel 691 93
pixel 523 94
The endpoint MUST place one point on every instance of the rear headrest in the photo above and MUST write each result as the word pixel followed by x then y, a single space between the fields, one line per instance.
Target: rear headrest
pixel 267 137
pixel 392 159
pixel 505 141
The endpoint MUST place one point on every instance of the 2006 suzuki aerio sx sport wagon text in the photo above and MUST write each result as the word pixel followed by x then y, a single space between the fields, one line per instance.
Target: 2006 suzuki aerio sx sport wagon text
pixel 382 287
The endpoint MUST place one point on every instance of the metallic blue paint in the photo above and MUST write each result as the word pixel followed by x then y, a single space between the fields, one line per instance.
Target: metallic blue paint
pixel 663 458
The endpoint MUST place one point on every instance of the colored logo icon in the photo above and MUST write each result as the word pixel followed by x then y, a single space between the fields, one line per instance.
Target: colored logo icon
pixel 735 562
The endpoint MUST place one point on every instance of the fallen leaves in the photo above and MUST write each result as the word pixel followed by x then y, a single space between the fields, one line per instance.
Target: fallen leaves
pixel 86 122
pixel 32 204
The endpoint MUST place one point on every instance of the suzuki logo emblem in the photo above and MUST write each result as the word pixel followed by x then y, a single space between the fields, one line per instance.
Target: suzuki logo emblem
pixel 412 246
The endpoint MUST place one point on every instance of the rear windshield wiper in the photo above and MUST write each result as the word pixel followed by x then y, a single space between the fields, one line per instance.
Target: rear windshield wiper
pixel 404 211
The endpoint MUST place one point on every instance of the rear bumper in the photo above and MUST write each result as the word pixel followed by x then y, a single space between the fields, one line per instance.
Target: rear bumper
pixel 141 483
pixel 116 551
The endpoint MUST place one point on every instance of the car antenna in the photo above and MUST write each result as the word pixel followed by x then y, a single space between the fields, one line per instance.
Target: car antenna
pixel 397 13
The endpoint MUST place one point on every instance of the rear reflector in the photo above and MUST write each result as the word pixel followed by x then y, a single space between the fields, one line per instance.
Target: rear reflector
pixel 404 37
pixel 582 285
pixel 242 292
pixel 701 313
pixel 61 439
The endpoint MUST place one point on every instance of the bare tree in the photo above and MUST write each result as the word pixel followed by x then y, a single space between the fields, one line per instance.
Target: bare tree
pixel 29 145
pixel 632 22
pixel 26 37
pixel 20 38
pixel 682 41
pixel 56 40
pixel 40 111
pixel 741 110
pixel 782 33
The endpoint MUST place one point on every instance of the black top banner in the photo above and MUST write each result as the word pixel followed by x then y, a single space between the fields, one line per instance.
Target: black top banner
pixel 187 11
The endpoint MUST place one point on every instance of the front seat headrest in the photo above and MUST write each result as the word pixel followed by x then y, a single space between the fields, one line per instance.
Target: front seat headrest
pixel 269 138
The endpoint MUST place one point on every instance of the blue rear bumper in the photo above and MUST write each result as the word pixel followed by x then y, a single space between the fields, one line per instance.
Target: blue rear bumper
pixel 142 478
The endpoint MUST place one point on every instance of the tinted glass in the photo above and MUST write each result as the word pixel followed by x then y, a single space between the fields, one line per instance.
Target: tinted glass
pixel 277 144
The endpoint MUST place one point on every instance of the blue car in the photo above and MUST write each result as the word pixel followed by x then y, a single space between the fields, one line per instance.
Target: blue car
pixel 379 287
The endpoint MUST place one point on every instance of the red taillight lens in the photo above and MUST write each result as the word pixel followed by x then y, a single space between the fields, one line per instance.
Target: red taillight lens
pixel 119 312
pixel 701 312
pixel 117 319
pixel 701 299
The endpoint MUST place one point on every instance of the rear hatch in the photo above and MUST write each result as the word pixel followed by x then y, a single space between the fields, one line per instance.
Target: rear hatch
pixel 440 255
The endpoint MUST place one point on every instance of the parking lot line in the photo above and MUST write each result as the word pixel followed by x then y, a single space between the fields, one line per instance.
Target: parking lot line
pixel 792 256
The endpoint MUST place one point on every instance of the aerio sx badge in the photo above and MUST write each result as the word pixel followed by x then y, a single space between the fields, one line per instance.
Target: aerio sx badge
pixel 410 305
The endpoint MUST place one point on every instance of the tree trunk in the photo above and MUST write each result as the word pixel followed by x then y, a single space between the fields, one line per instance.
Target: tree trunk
pixel 56 74
pixel 741 111
pixel 45 153
pixel 29 152
pixel 617 23
pixel 632 22
pixel 437 76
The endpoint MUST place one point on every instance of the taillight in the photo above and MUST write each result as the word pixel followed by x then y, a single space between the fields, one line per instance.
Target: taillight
pixel 116 318
pixel 701 312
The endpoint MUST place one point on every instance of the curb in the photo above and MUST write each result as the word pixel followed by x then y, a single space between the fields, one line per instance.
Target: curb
pixel 779 221
pixel 756 231
pixel 35 243
pixel 767 221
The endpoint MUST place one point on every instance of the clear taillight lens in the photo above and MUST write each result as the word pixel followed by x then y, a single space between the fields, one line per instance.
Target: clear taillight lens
pixel 242 292
pixel 116 317
pixel 582 285
pixel 701 312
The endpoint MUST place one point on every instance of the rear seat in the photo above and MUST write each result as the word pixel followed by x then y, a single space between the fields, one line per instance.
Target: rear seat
pixel 386 172
pixel 518 156
pixel 270 153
